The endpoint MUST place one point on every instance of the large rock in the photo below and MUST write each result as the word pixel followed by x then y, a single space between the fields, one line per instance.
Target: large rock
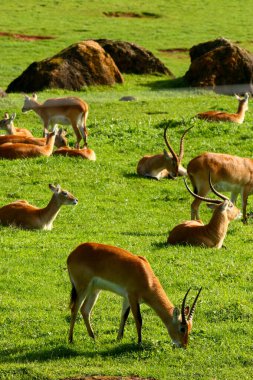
pixel 83 64
pixel 222 66
pixel 133 59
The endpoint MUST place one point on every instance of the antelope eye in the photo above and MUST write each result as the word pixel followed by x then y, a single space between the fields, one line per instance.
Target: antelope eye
pixel 64 193
pixel 182 329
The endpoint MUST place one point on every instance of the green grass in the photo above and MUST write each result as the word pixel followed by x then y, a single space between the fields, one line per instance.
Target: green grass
pixel 117 207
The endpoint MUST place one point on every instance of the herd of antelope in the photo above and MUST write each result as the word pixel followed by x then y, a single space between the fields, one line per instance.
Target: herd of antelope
pixel 93 267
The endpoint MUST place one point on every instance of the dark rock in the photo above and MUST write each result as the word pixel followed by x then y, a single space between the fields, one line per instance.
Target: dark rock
pixel 133 59
pixel 127 99
pixel 222 66
pixel 82 64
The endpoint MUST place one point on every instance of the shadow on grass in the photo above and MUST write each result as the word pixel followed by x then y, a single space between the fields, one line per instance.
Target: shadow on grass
pixel 131 233
pixel 60 352
pixel 166 84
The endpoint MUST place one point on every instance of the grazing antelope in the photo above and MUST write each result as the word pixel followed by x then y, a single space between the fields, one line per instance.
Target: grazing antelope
pixel 68 110
pixel 229 173
pixel 211 235
pixel 24 215
pixel 224 116
pixel 163 165
pixel 20 150
pixel 93 267
pixel 84 153
pixel 8 126
pixel 60 139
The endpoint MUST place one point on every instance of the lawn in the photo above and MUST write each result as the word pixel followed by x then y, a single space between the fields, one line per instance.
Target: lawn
pixel 119 208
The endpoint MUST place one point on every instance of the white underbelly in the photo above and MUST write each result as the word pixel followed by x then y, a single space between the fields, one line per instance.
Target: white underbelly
pixel 100 283
pixel 226 186
pixel 59 119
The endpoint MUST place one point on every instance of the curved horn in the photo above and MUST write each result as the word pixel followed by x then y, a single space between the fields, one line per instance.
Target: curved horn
pixel 183 308
pixel 190 317
pixel 181 149
pixel 210 200
pixel 168 144
pixel 215 191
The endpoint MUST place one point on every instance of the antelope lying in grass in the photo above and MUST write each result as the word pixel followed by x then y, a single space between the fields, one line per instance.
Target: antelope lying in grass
pixel 228 173
pixel 211 235
pixel 7 125
pixel 68 110
pixel 60 139
pixel 20 150
pixel 84 153
pixel 163 165
pixel 24 215
pixel 93 267
pixel 224 116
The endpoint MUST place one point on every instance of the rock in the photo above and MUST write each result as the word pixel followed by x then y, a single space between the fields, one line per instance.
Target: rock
pixel 133 59
pixel 222 66
pixel 82 64
pixel 127 99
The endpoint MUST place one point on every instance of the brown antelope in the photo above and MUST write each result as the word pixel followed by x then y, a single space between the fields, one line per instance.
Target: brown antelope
pixel 93 267
pixel 60 139
pixel 68 110
pixel 224 116
pixel 24 215
pixel 20 150
pixel 8 126
pixel 163 165
pixel 85 153
pixel 211 235
pixel 228 173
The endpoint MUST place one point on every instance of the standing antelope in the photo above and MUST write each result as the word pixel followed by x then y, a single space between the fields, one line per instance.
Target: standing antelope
pixel 163 165
pixel 93 267
pixel 228 173
pixel 24 215
pixel 60 139
pixel 8 126
pixel 84 153
pixel 21 150
pixel 211 235
pixel 224 116
pixel 68 110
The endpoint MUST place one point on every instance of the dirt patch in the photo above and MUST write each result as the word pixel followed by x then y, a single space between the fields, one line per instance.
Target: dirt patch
pixel 131 14
pixel 176 50
pixel 25 37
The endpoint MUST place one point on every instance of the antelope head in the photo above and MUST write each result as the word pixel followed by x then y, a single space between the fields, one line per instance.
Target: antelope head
pixel 175 160
pixel 182 322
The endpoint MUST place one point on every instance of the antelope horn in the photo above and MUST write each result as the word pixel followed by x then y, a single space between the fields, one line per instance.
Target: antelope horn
pixel 210 200
pixel 215 191
pixel 190 317
pixel 168 145
pixel 183 308
pixel 181 149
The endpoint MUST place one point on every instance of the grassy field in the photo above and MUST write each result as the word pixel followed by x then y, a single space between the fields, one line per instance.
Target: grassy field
pixel 119 208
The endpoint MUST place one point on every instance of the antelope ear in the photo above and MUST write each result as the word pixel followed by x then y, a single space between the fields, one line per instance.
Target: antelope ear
pixel 166 154
pixel 176 314
pixel 13 116
pixel 212 206
pixel 35 97
pixel 54 189
pixel 6 115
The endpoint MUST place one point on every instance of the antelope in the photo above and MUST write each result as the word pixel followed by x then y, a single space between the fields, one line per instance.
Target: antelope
pixel 24 215
pixel 60 139
pixel 84 153
pixel 8 126
pixel 21 150
pixel 211 235
pixel 68 110
pixel 224 116
pixel 163 165
pixel 229 173
pixel 93 267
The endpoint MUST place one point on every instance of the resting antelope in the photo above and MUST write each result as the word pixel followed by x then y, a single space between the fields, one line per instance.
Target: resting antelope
pixel 224 116
pixel 85 153
pixel 8 126
pixel 20 150
pixel 93 267
pixel 68 110
pixel 60 139
pixel 228 173
pixel 24 215
pixel 163 165
pixel 211 235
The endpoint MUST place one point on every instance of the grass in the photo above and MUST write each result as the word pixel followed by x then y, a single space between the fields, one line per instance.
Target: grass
pixel 117 207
